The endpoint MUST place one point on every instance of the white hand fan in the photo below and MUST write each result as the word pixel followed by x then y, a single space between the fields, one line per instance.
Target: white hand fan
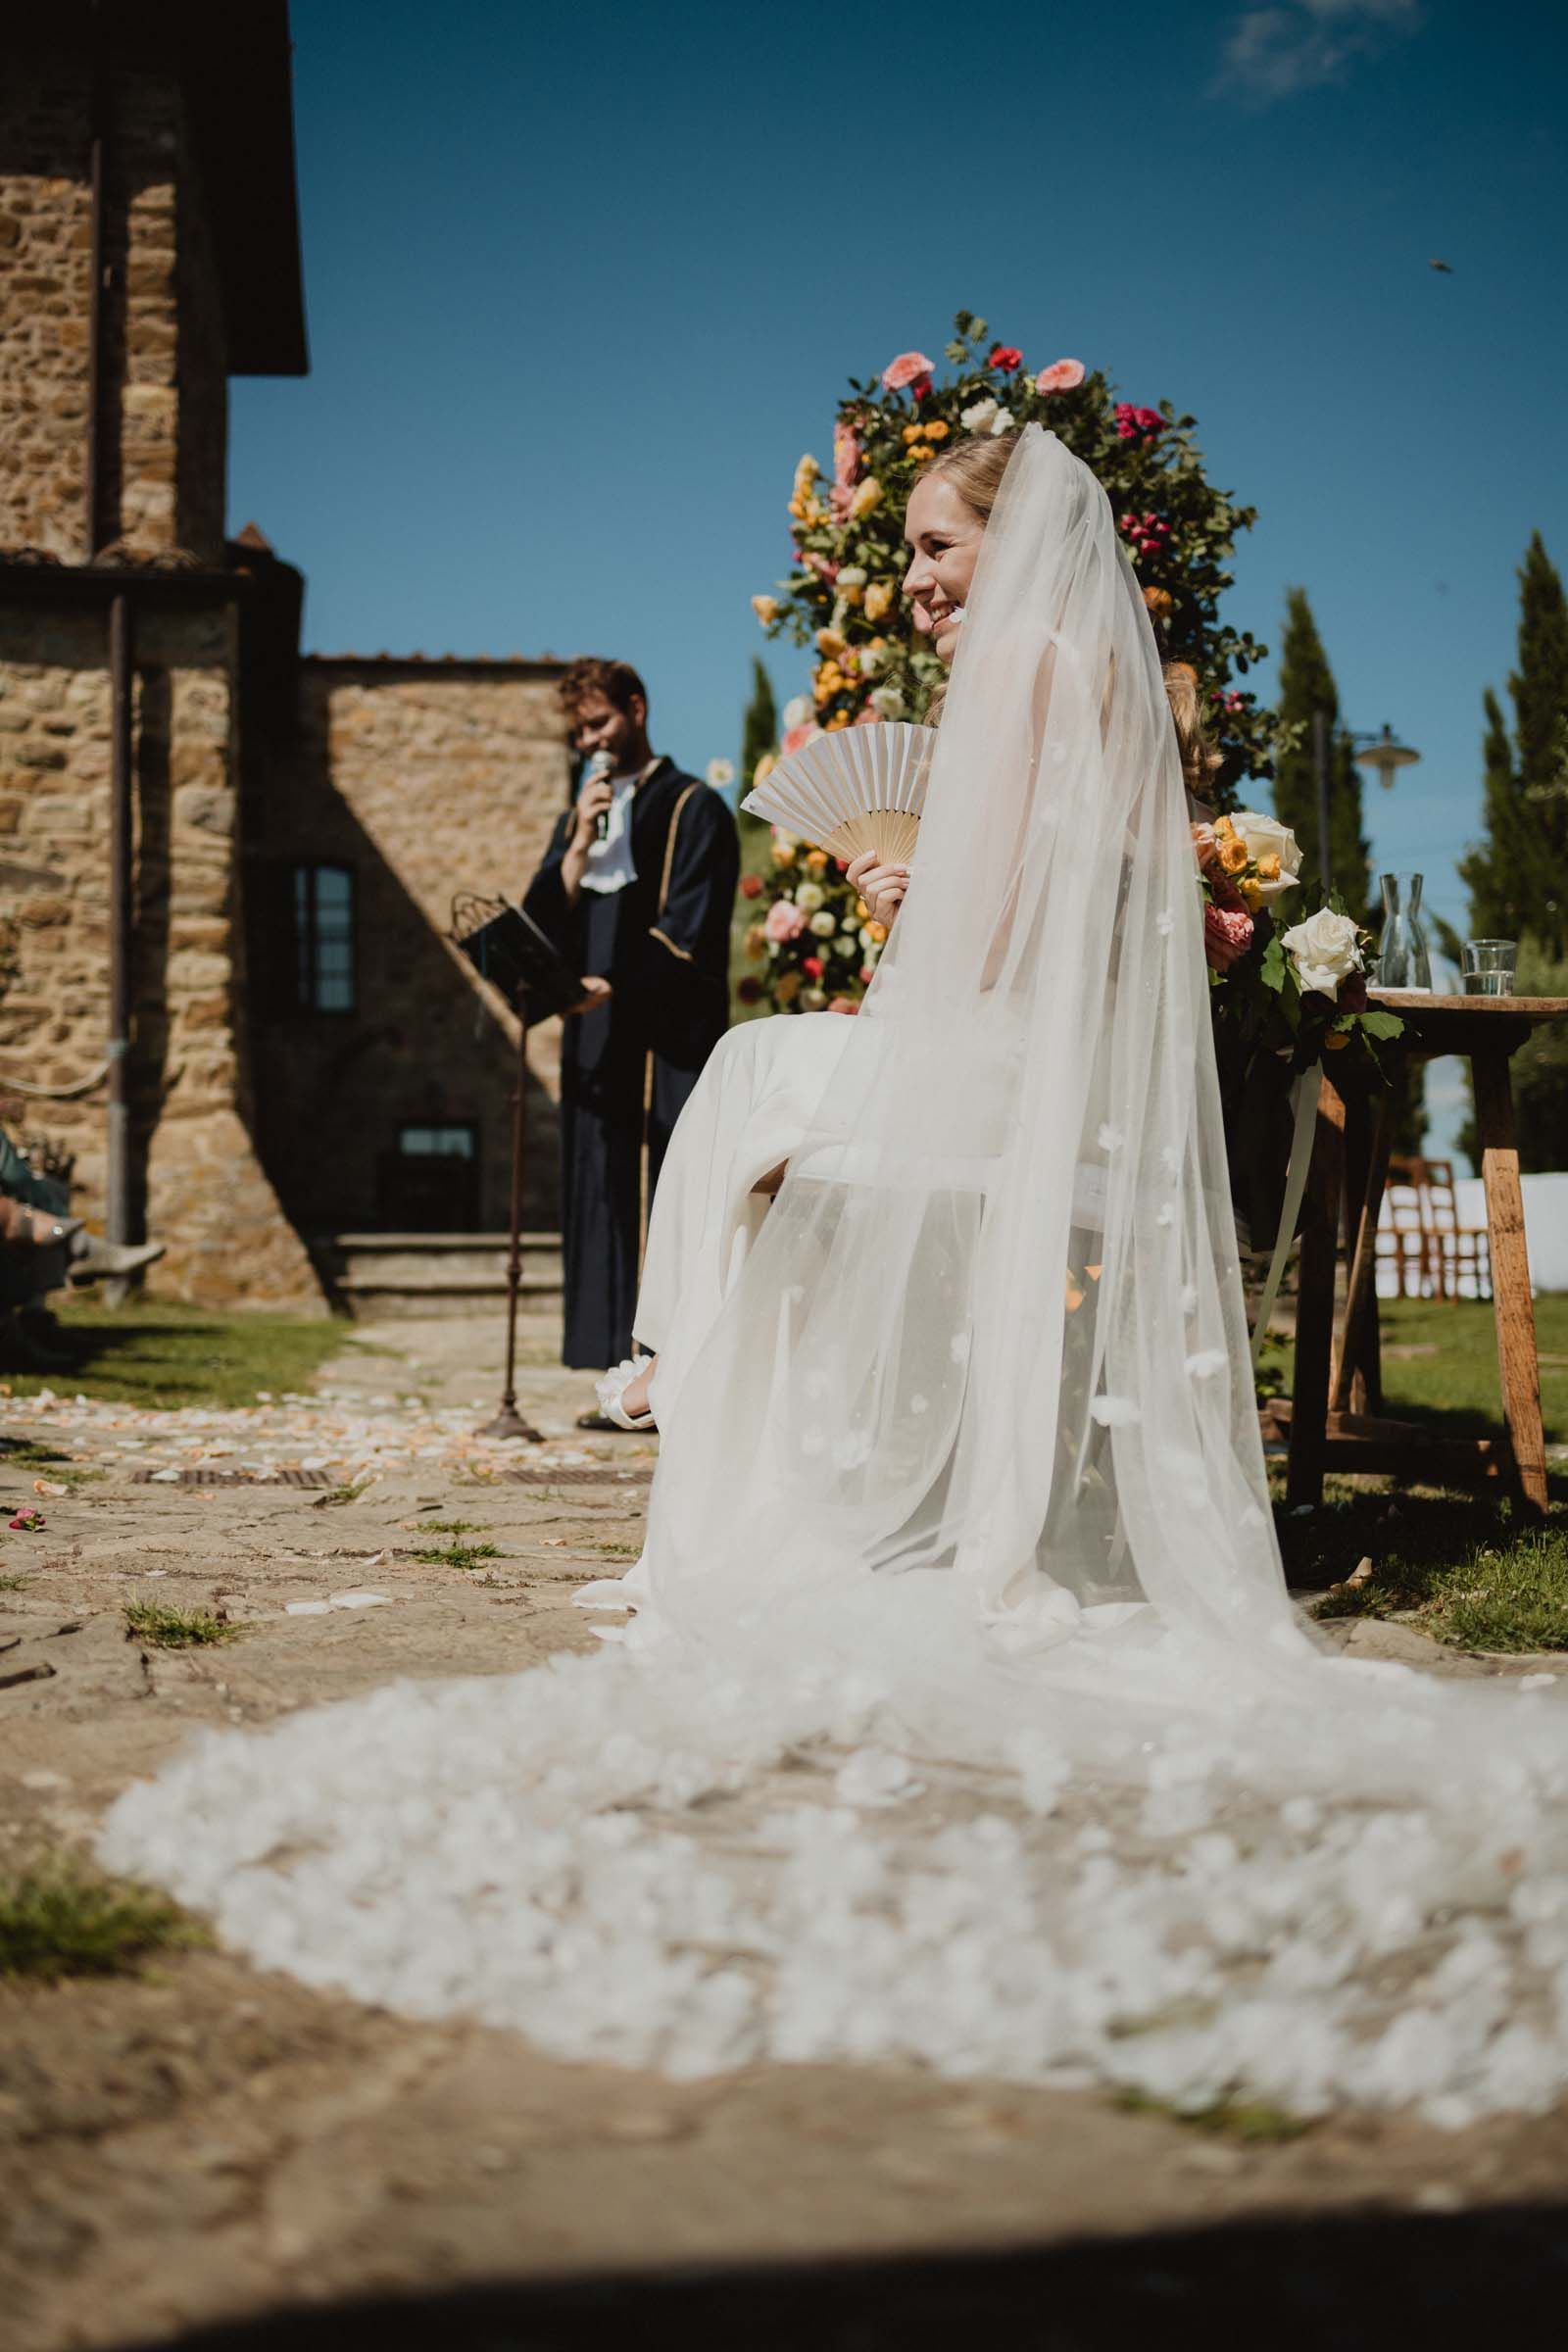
pixel 857 789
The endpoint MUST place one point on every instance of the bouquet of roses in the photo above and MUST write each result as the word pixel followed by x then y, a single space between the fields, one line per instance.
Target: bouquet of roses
pixel 1295 992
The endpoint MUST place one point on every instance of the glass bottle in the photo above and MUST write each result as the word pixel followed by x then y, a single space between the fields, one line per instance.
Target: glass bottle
pixel 1403 957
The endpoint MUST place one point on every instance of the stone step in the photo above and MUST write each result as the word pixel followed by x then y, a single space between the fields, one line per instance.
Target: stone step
pixel 374 1275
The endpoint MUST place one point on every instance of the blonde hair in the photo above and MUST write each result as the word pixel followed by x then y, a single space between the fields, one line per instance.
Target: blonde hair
pixel 975 467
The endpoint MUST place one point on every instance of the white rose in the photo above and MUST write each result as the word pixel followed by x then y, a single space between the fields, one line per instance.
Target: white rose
pixel 1323 950
pixel 981 418
pixel 1001 422
pixel 809 898
pixel 872 657
pixel 797 711
pixel 852 576
pixel 824 924
pixel 886 702
pixel 1265 837
pixel 720 772
pixel 813 1000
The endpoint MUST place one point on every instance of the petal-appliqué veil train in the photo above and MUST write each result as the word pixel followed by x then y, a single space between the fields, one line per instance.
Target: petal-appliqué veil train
pixel 964 1716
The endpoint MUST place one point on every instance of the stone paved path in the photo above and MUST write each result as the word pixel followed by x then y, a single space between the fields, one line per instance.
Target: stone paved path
pixel 205 2142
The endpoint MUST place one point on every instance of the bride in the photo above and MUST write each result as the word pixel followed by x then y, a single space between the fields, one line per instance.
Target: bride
pixel 963 1715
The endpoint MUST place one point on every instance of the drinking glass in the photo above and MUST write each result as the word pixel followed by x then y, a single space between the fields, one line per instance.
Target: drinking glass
pixel 1403 957
pixel 1489 967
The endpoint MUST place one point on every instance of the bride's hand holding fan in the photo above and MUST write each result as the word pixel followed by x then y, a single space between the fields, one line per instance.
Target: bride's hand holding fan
pixel 881 886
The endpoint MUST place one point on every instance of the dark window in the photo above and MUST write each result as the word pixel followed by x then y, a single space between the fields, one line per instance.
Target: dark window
pixel 430 1182
pixel 439 1142
pixel 324 938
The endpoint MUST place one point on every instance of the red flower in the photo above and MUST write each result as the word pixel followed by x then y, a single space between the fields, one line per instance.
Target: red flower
pixel 1138 424
pixel 920 389
pixel 748 991
pixel 1004 357
pixel 751 886
pixel 811 966
pixel 1352 993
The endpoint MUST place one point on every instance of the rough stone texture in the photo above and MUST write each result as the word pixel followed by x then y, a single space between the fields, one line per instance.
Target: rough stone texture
pixel 45 269
pixel 163 406
pixel 205 1192
pixel 427 780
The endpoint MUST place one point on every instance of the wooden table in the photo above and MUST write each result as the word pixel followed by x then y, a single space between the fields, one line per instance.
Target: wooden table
pixel 1336 1419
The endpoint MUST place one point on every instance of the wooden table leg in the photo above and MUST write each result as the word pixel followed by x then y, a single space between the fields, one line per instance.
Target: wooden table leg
pixel 1356 1383
pixel 1315 1303
pixel 1510 1275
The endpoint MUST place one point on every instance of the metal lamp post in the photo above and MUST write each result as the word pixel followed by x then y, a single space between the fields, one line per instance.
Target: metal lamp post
pixel 1382 752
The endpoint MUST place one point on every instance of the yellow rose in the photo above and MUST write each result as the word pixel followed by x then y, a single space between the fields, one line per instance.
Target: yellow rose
pixel 1232 854
pixel 878 598
pixel 829 641
pixel 938 431
pixel 1223 827
pixel 767 609
pixel 878 933
pixel 1251 894
pixel 806 473
pixel 921 451
pixel 840 719
pixel 783 854
pixel 755 941
pixel 1268 869
pixel 816 861
pixel 788 989
pixel 867 498
pixel 912 433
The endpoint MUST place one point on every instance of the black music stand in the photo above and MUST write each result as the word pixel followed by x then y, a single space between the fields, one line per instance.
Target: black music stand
pixel 508 949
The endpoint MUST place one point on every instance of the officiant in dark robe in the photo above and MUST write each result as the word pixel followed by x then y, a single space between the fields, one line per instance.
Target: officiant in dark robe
pixel 637 889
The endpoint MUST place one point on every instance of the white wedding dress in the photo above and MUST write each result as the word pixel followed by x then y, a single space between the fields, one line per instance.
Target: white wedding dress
pixel 963 1717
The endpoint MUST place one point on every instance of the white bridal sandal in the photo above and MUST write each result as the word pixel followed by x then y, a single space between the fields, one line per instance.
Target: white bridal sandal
pixel 613 1387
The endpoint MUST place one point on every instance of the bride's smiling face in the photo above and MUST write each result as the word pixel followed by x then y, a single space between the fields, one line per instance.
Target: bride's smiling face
pixel 944 533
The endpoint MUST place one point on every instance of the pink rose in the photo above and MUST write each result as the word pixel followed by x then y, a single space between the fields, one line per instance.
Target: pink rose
pixel 785 922
pixel 1229 927
pixel 909 368
pixel 1064 375
pixel 796 739
pixel 846 456
pixel 822 566
pixel 1134 425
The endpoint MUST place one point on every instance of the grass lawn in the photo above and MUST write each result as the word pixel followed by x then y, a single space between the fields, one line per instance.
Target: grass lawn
pixel 1439 1363
pixel 155 1353
pixel 1459 1564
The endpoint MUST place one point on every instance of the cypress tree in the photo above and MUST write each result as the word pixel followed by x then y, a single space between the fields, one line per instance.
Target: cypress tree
pixel 1518 876
pixel 759 732
pixel 1307 686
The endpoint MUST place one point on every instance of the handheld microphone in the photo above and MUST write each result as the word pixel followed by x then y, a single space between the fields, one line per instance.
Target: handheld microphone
pixel 601 766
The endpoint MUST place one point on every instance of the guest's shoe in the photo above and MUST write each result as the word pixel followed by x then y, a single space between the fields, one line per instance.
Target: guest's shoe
pixel 95 1260
pixel 611 1413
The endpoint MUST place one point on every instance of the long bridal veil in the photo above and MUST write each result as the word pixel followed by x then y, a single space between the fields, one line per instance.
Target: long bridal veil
pixel 965 1716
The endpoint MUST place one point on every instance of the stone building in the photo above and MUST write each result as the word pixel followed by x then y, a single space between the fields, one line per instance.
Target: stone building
pixel 233 997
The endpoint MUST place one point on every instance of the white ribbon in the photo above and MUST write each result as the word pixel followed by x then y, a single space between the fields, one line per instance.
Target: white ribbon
pixel 1305 1095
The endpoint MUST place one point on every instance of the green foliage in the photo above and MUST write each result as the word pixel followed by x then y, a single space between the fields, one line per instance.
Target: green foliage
pixel 843 595
pixel 159 1353
pixel 458 1554
pixel 1307 685
pixel 56 1922
pixel 1518 877
pixel 1505 1595
pixel 336 1497
pixel 163 1628
pixel 759 732
pixel 1539 1069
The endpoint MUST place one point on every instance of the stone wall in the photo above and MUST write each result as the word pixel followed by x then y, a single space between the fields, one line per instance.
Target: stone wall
pixel 45 292
pixel 201 1185
pixel 427 779
pixel 163 399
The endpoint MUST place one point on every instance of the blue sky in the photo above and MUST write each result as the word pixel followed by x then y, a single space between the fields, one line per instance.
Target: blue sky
pixel 582 287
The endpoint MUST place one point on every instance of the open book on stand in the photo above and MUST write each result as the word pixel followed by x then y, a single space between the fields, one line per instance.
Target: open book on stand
pixel 510 950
